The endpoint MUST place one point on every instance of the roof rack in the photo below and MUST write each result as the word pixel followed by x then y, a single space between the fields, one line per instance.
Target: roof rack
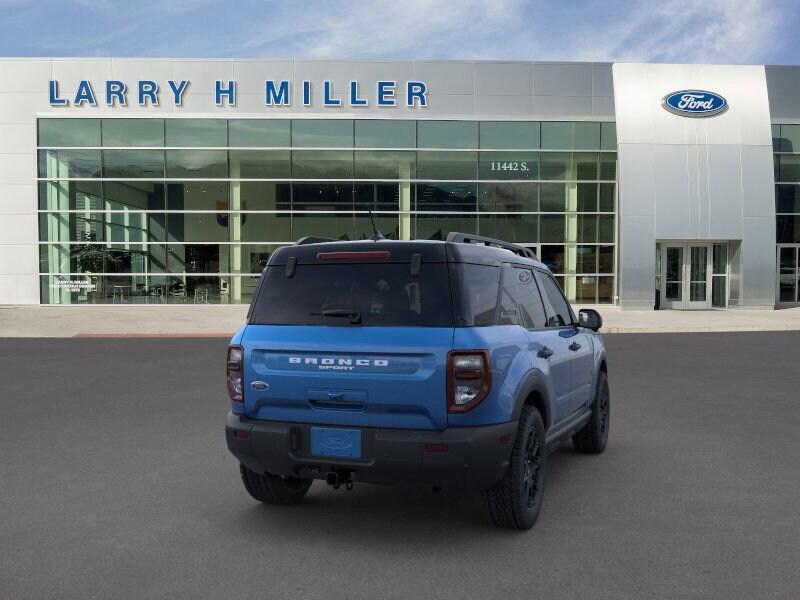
pixel 313 239
pixel 469 238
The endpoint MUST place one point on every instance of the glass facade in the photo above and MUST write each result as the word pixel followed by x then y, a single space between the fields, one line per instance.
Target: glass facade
pixel 188 210
pixel 786 146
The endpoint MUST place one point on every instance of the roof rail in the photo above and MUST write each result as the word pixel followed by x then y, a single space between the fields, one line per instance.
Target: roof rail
pixel 469 238
pixel 313 239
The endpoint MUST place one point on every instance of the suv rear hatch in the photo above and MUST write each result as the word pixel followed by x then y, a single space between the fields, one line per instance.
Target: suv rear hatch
pixel 350 337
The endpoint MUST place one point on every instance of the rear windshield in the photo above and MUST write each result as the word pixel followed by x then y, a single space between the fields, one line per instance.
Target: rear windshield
pixel 355 294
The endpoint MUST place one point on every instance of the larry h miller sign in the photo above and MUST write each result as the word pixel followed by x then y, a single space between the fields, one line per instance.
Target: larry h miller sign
pixel 147 92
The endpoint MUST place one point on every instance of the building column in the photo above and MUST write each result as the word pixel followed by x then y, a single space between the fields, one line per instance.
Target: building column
pixel 405 202
pixel 57 226
pixel 571 237
pixel 235 235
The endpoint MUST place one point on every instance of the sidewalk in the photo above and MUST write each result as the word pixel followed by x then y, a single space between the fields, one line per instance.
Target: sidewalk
pixel 672 321
pixel 163 320
pixel 222 321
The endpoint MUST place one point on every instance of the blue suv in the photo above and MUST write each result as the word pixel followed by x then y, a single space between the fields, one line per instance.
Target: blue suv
pixel 453 363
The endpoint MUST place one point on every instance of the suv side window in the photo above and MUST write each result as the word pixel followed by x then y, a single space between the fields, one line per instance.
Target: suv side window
pixel 521 303
pixel 509 312
pixel 560 312
pixel 477 293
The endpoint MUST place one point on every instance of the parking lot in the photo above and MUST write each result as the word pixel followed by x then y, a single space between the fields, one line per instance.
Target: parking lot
pixel 115 483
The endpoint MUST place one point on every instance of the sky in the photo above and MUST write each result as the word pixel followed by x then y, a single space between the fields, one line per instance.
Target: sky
pixel 682 31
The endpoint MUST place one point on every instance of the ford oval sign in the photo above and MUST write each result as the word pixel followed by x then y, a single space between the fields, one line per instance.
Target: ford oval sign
pixel 695 103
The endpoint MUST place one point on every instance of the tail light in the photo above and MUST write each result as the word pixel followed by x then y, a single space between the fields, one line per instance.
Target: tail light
pixel 234 373
pixel 469 378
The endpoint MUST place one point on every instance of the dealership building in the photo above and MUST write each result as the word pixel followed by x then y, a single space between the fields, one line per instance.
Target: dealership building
pixel 164 181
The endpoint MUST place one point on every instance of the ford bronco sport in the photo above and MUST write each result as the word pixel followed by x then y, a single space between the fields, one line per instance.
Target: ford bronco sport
pixel 450 363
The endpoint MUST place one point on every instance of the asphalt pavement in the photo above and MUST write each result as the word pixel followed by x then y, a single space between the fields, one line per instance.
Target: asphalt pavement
pixel 115 482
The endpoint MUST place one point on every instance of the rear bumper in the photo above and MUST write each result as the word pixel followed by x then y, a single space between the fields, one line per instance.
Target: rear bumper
pixel 473 458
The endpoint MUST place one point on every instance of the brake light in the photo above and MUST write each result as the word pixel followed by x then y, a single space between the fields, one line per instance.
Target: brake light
pixel 234 373
pixel 469 378
pixel 356 256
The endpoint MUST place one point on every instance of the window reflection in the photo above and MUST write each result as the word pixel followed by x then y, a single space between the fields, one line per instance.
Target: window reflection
pixel 125 164
pixel 197 164
pixel 322 133
pixel 447 165
pixel 446 196
pixel 270 133
pixel 65 164
pixel 447 134
pixel 133 132
pixel 222 211
pixel 196 132
pixel 69 132
pixel 383 133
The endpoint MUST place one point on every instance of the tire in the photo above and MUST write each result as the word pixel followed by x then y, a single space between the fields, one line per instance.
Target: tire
pixel 515 501
pixel 593 437
pixel 272 489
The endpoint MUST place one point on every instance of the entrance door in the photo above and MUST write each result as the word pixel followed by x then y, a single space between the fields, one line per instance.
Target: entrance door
pixel 672 270
pixel 788 275
pixel 698 270
pixel 686 276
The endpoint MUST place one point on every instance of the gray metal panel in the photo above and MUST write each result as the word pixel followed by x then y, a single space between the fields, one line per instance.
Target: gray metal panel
pixel 783 86
pixel 511 78
pixel 603 107
pixel 637 262
pixel 674 192
pixel 562 79
pixel 447 105
pixel 450 77
pixel 132 70
pixel 726 199
pixel 758 263
pixel 602 80
pixel 70 71
pixel 250 74
pixel 637 182
pixel 457 89
pixel 758 183
pixel 510 106
pixel 561 107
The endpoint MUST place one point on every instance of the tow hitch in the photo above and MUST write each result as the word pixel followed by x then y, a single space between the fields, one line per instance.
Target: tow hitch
pixel 336 479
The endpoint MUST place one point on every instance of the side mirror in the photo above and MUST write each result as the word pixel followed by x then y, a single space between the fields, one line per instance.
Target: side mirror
pixel 590 318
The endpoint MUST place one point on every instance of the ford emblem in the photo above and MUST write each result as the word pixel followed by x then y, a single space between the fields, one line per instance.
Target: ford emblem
pixel 695 103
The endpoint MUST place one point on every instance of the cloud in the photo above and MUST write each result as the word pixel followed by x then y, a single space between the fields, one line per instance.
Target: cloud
pixel 708 31
pixel 736 31
pixel 410 29
pixel 711 31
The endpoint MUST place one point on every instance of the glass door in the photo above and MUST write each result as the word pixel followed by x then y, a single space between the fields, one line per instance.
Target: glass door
pixel 686 276
pixel 788 275
pixel 698 277
pixel 672 258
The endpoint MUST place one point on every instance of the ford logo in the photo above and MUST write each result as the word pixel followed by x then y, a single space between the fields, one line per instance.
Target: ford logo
pixel 332 442
pixel 695 103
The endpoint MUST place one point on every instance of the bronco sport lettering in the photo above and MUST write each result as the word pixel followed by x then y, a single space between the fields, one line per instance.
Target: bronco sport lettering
pixel 339 362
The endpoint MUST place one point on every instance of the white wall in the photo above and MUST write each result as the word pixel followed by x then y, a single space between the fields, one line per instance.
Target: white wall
pixel 20 98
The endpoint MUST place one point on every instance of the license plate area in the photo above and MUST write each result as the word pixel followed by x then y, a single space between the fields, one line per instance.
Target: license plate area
pixel 335 442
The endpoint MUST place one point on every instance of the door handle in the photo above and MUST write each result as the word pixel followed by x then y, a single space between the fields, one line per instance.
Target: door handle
pixel 545 352
pixel 574 346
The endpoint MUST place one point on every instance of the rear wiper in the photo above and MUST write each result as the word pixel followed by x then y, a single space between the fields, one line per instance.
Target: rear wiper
pixel 346 313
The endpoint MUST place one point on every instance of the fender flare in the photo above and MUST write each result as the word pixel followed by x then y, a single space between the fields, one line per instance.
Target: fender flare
pixel 599 361
pixel 534 382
